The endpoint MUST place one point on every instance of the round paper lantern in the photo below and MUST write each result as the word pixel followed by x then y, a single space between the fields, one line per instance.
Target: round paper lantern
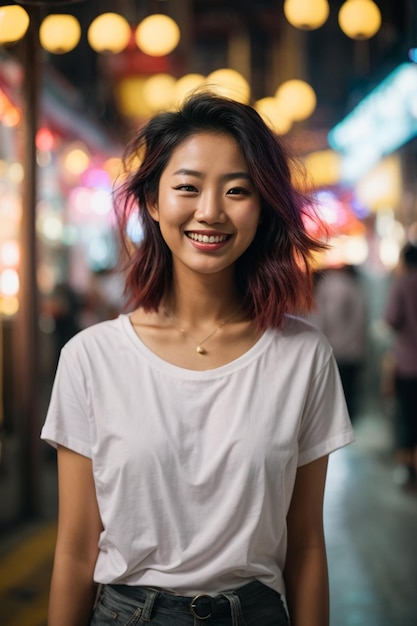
pixel 230 84
pixel 271 112
pixel 59 33
pixel 14 22
pixel 306 14
pixel 109 32
pixel 186 85
pixel 297 99
pixel 157 35
pixel 359 19
pixel 158 91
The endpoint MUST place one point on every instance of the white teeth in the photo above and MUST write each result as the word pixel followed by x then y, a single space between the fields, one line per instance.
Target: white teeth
pixel 207 238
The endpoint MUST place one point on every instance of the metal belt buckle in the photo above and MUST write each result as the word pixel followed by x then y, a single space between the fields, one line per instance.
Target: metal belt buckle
pixel 201 603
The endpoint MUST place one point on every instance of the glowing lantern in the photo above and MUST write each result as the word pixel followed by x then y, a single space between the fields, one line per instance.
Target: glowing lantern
pixel 230 84
pixel 113 167
pixel 14 22
pixel 76 159
pixel 157 35
pixel 306 14
pixel 158 91
pixel 59 33
pixel 16 172
pixel 186 85
pixel 9 305
pixel 9 282
pixel 270 111
pixel 11 117
pixel 130 99
pixel 359 19
pixel 9 252
pixel 109 32
pixel 44 139
pixel 323 167
pixel 297 99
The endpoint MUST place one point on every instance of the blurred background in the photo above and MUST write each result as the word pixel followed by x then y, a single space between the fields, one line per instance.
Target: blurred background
pixel 337 80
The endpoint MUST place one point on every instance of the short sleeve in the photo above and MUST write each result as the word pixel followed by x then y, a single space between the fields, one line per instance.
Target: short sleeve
pixel 326 425
pixel 67 422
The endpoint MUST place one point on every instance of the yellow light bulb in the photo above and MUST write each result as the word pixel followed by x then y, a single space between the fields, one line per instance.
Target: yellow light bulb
pixel 14 22
pixel 297 99
pixel 59 33
pixel 359 19
pixel 157 35
pixel 109 32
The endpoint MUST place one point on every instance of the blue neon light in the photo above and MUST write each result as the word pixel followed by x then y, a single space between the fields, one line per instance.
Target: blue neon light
pixel 382 122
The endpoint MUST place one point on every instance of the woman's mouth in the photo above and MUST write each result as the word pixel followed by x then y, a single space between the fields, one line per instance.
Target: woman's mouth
pixel 206 238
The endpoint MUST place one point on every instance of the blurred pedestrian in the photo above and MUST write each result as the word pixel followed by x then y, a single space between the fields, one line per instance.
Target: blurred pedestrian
pixel 63 307
pixel 341 315
pixel 401 315
pixel 193 433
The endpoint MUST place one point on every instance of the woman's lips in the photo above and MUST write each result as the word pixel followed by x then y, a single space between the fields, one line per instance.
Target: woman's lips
pixel 208 238
pixel 208 241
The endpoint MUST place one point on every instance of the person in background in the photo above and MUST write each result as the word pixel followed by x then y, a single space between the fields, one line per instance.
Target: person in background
pixel 193 432
pixel 62 309
pixel 401 316
pixel 341 314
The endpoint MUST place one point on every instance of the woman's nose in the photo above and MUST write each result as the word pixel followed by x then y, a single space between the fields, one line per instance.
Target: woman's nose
pixel 210 208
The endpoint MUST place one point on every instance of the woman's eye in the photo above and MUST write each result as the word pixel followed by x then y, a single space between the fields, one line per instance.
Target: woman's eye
pixel 186 188
pixel 238 190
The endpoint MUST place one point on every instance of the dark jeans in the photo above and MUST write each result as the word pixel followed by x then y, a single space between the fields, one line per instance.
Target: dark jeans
pixel 406 412
pixel 253 604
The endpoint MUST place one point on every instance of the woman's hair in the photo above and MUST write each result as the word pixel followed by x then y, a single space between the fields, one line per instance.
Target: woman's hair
pixel 273 275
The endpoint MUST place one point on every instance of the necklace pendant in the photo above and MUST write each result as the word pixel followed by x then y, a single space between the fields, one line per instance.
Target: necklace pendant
pixel 201 350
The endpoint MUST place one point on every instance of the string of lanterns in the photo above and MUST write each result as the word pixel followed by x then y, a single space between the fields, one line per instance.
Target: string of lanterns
pixel 358 19
pixel 158 35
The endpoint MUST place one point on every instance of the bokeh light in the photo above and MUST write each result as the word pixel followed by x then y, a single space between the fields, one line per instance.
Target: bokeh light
pixel 157 35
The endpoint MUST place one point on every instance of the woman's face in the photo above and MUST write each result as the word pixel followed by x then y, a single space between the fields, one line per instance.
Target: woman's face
pixel 207 207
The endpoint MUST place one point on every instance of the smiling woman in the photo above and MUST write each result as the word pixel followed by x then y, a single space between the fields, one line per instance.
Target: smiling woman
pixel 193 433
pixel 269 276
pixel 208 211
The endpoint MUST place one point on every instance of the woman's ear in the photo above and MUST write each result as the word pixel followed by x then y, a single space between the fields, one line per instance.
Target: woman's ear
pixel 153 210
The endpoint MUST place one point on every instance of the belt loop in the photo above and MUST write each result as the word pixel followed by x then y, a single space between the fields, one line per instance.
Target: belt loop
pixel 151 596
pixel 236 609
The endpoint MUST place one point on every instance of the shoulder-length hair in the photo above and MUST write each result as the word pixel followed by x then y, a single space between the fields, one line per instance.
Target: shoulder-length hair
pixel 273 275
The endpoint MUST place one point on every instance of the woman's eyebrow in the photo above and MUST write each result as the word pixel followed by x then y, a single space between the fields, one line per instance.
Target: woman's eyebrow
pixel 228 176
pixel 184 170
pixel 232 175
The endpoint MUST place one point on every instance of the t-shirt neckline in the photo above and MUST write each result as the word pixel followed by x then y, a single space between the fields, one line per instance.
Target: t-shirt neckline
pixel 241 361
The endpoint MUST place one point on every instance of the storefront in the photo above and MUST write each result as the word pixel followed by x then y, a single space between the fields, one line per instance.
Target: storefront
pixel 76 165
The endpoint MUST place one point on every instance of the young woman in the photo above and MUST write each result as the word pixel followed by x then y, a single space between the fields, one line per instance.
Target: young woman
pixel 193 433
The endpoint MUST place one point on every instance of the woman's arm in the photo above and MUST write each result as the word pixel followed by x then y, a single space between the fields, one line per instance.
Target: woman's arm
pixel 73 590
pixel 305 571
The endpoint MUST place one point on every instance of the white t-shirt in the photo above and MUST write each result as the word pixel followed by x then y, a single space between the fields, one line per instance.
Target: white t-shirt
pixel 194 470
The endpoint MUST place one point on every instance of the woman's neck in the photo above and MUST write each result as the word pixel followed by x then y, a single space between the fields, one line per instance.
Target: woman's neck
pixel 195 301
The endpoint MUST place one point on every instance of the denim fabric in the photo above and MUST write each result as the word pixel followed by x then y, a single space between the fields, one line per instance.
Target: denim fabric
pixel 251 605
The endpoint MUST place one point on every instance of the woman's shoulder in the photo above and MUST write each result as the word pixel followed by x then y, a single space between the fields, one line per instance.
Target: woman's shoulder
pixel 301 327
pixel 302 337
pixel 106 332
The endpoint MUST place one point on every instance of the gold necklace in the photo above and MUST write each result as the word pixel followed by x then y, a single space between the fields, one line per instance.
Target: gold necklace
pixel 200 349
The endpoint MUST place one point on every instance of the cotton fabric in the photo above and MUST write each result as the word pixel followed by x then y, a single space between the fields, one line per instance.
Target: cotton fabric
pixel 194 470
